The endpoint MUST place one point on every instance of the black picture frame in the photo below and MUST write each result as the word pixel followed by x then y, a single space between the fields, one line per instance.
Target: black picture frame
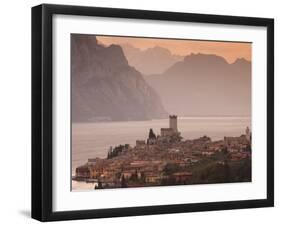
pixel 42 107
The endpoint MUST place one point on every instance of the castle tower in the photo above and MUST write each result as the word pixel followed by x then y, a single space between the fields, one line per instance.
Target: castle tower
pixel 173 122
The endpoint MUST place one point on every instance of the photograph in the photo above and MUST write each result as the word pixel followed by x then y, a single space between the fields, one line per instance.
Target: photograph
pixel 141 112
pixel 150 111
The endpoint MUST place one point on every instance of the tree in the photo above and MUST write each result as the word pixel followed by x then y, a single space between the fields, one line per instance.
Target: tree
pixel 151 134
pixel 109 153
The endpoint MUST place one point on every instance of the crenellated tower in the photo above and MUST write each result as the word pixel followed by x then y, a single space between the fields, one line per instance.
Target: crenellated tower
pixel 173 123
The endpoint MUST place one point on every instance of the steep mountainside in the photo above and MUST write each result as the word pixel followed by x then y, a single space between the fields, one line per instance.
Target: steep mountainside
pixel 150 61
pixel 105 87
pixel 204 84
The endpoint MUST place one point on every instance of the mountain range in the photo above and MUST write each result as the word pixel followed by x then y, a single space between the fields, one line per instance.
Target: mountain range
pixel 205 84
pixel 154 60
pixel 106 87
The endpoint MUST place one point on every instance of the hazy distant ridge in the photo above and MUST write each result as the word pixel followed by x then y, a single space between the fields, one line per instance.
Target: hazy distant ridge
pixel 205 84
pixel 150 61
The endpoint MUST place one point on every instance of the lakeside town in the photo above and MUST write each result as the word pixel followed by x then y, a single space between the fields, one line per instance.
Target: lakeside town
pixel 168 159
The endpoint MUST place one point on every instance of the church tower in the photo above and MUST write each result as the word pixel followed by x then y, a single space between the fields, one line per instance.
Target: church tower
pixel 174 123
pixel 248 134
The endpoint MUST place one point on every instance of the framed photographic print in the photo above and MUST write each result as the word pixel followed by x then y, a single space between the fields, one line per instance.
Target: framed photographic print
pixel 146 112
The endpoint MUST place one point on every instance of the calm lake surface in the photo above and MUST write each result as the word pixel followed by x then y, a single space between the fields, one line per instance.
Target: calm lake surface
pixel 90 140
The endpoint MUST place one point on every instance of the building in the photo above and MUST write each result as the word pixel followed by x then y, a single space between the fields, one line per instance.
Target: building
pixel 232 141
pixel 96 172
pixel 152 177
pixel 173 122
pixel 167 132
pixel 83 172
pixel 239 141
pixel 171 134
pixel 240 155
pixel 140 144
pixel 182 177
pixel 173 127
pixel 237 144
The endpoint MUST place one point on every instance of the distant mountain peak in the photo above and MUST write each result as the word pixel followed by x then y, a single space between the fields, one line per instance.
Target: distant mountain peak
pixel 205 84
pixel 159 49
pixel 203 57
pixel 152 60
pixel 241 60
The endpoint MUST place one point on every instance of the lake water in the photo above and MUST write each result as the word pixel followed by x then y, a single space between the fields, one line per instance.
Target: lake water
pixel 90 140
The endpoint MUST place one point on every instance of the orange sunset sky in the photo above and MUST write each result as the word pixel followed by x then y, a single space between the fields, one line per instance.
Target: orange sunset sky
pixel 229 50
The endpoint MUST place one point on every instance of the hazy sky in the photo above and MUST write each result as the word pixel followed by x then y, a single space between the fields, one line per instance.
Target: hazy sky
pixel 229 50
